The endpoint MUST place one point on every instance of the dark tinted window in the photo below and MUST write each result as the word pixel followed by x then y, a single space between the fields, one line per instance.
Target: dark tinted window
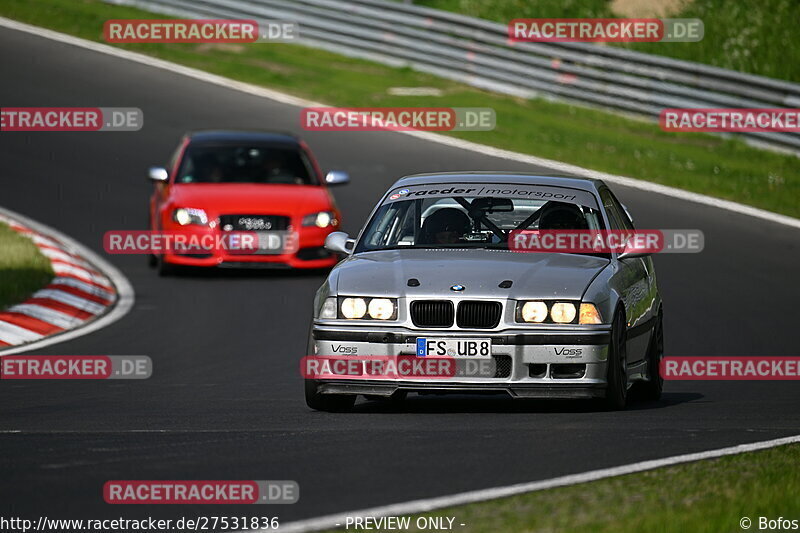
pixel 245 164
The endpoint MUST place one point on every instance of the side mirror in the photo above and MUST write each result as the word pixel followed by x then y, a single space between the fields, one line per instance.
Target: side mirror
pixel 632 255
pixel 158 174
pixel 339 242
pixel 337 177
pixel 634 249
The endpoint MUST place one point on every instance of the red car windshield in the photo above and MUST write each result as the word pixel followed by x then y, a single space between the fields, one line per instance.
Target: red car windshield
pixel 246 164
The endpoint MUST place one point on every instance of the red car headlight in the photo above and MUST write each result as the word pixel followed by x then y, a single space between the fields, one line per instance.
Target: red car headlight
pixel 187 215
pixel 323 219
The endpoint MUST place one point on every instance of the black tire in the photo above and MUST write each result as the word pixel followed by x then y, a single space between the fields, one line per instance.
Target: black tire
pixel 331 403
pixel 617 376
pixel 651 390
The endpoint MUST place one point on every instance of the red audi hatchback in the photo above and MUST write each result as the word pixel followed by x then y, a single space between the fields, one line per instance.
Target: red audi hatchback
pixel 269 184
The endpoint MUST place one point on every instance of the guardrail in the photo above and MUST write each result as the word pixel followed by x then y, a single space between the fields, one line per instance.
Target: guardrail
pixel 478 52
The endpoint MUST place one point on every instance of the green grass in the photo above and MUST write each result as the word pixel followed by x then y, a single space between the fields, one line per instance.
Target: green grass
pixel 703 497
pixel 755 36
pixel 591 138
pixel 23 268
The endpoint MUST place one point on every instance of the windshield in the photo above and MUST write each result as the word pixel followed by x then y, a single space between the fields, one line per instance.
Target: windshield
pixel 245 164
pixel 445 221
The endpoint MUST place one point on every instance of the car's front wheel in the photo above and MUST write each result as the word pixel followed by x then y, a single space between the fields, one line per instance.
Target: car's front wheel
pixel 332 403
pixel 617 373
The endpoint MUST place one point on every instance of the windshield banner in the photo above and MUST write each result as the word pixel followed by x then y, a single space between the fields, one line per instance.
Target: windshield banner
pixel 499 190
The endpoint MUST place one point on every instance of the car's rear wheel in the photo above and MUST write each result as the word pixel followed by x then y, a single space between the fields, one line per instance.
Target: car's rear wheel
pixel 651 389
pixel 332 403
pixel 617 373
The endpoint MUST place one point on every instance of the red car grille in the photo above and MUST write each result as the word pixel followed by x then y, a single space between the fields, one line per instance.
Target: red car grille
pixel 254 222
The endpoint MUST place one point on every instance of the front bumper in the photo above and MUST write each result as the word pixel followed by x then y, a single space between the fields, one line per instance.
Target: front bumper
pixel 543 364
pixel 307 253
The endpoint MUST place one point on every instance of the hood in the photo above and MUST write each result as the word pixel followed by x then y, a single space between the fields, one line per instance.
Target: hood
pixel 534 275
pixel 249 198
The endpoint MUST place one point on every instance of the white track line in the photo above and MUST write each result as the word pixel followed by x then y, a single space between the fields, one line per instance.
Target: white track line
pixel 431 504
pixel 118 309
pixel 432 137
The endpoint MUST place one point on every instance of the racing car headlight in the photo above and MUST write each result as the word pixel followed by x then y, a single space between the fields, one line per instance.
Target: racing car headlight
pixel 323 219
pixel 328 308
pixel 354 308
pixel 381 308
pixel 589 314
pixel 534 312
pixel 187 215
pixel 563 312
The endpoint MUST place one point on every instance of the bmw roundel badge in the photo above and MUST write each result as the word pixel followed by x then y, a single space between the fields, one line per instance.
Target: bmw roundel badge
pixel 457 288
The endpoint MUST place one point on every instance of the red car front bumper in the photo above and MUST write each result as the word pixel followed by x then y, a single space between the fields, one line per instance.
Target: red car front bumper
pixel 306 252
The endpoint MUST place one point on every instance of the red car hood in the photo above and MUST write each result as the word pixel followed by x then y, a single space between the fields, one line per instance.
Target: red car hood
pixel 248 198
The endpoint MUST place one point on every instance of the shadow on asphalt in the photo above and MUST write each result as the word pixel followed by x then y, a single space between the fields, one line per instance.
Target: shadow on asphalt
pixel 501 403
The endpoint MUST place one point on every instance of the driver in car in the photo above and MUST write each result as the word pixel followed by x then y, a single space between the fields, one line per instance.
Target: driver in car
pixel 446 226
pixel 562 216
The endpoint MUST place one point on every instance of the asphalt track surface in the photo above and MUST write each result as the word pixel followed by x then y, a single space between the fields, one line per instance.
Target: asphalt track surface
pixel 225 400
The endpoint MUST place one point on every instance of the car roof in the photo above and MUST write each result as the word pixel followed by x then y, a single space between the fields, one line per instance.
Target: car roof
pixel 519 178
pixel 243 136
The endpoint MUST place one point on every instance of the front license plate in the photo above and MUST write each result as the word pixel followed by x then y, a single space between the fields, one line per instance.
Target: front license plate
pixel 458 348
pixel 270 242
